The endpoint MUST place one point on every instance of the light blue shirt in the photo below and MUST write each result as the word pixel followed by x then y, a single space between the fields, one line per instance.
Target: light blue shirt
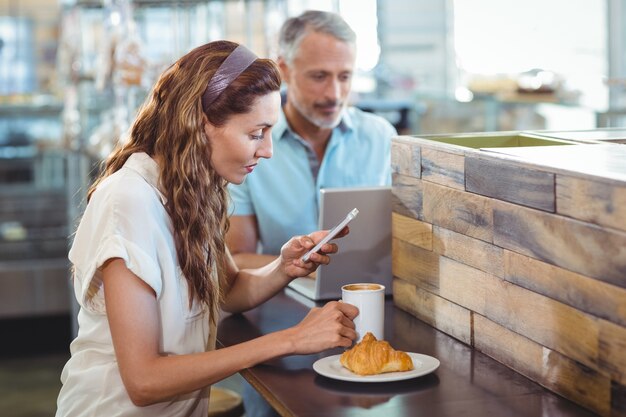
pixel 283 192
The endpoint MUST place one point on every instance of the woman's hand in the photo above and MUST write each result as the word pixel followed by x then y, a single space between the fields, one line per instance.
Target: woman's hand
pixel 296 247
pixel 324 328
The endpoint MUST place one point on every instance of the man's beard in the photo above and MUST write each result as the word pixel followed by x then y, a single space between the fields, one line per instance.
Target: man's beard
pixel 319 122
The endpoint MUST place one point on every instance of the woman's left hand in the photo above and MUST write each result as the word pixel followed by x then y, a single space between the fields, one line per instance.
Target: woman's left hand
pixel 292 252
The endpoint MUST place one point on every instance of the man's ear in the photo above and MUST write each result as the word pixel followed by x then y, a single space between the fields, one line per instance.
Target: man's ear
pixel 283 67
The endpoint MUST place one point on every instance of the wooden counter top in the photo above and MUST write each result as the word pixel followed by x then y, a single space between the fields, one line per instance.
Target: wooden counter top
pixel 602 161
pixel 467 383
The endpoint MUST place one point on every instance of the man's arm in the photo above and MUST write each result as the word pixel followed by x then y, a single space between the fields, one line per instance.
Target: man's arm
pixel 242 240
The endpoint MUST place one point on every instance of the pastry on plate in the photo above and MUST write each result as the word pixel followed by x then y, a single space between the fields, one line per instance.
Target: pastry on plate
pixel 371 356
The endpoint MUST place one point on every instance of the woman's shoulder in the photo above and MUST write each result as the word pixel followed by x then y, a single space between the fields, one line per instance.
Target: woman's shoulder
pixel 126 184
pixel 125 192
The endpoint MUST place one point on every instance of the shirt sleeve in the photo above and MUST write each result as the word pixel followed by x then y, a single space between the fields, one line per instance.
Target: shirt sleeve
pixel 379 132
pixel 116 224
pixel 241 203
pixel 388 133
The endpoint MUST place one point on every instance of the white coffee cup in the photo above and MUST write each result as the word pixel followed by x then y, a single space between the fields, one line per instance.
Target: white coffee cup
pixel 369 298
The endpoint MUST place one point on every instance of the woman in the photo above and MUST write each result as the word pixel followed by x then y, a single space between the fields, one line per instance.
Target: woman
pixel 151 269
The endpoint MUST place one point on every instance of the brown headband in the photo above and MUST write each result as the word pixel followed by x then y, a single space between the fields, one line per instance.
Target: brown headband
pixel 234 64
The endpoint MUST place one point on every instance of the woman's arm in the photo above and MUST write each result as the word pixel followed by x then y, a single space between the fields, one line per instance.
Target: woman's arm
pixel 242 239
pixel 150 377
pixel 247 288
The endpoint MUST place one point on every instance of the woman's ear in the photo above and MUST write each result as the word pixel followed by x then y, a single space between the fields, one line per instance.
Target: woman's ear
pixel 207 129
pixel 205 125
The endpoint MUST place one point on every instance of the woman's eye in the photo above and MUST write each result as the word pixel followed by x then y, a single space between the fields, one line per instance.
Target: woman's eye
pixel 257 135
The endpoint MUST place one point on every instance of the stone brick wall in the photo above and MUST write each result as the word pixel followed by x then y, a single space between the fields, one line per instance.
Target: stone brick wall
pixel 525 263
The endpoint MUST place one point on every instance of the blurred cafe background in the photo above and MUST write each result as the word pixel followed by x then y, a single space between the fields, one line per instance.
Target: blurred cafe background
pixel 72 73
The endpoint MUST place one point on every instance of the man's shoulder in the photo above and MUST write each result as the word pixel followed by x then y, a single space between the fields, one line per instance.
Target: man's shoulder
pixel 367 121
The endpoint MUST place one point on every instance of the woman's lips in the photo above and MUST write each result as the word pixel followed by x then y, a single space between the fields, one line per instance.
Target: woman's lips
pixel 250 168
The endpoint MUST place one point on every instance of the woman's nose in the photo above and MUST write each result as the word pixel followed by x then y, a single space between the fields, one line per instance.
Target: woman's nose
pixel 266 148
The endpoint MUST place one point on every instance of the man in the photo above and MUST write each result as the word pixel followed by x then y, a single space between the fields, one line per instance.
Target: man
pixel 319 141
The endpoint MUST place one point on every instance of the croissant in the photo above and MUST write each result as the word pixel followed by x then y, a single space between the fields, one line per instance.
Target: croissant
pixel 371 356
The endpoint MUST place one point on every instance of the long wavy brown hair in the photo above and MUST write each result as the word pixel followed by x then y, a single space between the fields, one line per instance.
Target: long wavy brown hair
pixel 169 125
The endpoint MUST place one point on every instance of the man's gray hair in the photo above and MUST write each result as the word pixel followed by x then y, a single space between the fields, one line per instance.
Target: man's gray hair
pixel 293 30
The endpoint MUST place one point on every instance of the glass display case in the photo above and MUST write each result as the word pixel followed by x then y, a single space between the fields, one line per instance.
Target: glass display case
pixel 33 211
pixel 100 59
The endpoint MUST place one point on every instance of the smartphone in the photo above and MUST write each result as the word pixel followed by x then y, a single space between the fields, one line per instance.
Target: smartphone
pixel 331 234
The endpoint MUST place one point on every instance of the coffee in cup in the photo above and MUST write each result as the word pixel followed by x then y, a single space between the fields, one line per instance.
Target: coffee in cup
pixel 369 298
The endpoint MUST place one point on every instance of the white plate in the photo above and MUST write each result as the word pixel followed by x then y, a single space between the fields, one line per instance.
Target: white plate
pixel 331 367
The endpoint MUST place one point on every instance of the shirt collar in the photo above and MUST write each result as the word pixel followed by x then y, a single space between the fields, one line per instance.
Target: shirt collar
pixel 346 124
pixel 148 169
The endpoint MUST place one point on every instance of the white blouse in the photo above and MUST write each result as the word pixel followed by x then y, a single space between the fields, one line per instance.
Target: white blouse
pixel 126 219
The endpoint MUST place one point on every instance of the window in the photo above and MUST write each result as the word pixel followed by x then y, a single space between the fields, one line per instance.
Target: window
pixel 568 37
